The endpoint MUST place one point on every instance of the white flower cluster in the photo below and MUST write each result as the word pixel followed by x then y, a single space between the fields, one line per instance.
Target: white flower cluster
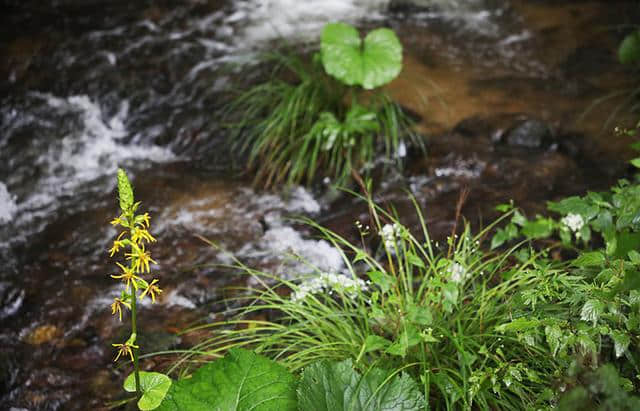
pixel 458 273
pixel 389 233
pixel 573 221
pixel 329 282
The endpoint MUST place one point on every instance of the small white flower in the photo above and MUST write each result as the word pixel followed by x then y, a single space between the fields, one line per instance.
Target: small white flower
pixel 329 282
pixel 458 273
pixel 573 221
pixel 389 233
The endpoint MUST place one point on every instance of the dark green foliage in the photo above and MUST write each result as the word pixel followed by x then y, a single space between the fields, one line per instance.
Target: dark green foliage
pixel 241 381
pixel 602 390
pixel 331 386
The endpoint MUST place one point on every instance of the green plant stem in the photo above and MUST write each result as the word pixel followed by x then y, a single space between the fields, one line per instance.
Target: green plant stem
pixel 134 331
pixel 134 323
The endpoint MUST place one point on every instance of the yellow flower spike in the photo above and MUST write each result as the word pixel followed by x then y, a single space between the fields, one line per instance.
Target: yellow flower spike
pixel 117 244
pixel 116 221
pixel 116 307
pixel 128 277
pixel 152 290
pixel 143 220
pixel 140 234
pixel 125 349
pixel 140 258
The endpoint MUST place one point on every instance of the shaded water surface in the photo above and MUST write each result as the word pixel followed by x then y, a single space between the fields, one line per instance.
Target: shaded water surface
pixel 86 87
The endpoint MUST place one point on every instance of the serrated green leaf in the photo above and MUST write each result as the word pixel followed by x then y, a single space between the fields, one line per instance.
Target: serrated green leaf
pixel 589 259
pixel 382 280
pixel 241 381
pixel 621 342
pixel 574 205
pixel 154 387
pixel 370 65
pixel 540 228
pixel 518 218
pixel 499 238
pixel 375 343
pixel 591 311
pixel 553 335
pixel 125 192
pixel 327 386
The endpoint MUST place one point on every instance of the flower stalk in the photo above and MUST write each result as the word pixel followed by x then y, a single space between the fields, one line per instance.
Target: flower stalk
pixel 132 241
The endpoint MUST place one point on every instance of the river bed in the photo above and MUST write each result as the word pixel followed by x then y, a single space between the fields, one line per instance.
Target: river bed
pixel 501 89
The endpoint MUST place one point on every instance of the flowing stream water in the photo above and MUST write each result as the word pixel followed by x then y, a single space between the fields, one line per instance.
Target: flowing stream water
pixel 87 87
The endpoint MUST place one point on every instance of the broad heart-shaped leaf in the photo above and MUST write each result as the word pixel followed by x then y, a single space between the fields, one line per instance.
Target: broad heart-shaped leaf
pixel 371 65
pixel 629 51
pixel 154 387
pixel 241 381
pixel 331 386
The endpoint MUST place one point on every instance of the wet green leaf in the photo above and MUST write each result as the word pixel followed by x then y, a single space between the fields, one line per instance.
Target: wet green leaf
pixel 241 381
pixel 370 64
pixel 590 259
pixel 540 228
pixel 382 280
pixel 591 311
pixel 574 205
pixel 330 386
pixel 154 387
pixel 621 342
pixel 375 343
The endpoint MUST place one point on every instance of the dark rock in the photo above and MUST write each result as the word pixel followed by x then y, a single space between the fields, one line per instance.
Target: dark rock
pixel 11 299
pixel 488 126
pixel 403 6
pixel 530 133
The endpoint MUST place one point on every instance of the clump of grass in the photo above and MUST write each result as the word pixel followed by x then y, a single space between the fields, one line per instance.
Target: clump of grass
pixel 435 314
pixel 301 123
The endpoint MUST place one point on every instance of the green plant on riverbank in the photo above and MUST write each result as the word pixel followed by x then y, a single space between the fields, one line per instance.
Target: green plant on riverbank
pixel 149 388
pixel 325 121
pixel 444 317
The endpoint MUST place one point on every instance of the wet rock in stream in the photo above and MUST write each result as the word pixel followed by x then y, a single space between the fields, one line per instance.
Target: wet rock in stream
pixel 529 133
pixel 11 299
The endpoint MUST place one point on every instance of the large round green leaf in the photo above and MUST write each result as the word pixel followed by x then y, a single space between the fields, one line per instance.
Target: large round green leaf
pixel 154 387
pixel 382 58
pixel 241 381
pixel 341 53
pixel 370 65
pixel 629 51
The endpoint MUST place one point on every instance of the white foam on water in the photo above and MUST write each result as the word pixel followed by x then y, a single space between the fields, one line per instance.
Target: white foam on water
pixel 8 207
pixel 92 151
pixel 313 254
pixel 295 20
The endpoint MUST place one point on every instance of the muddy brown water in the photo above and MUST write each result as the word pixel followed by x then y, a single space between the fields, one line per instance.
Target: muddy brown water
pixel 500 88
